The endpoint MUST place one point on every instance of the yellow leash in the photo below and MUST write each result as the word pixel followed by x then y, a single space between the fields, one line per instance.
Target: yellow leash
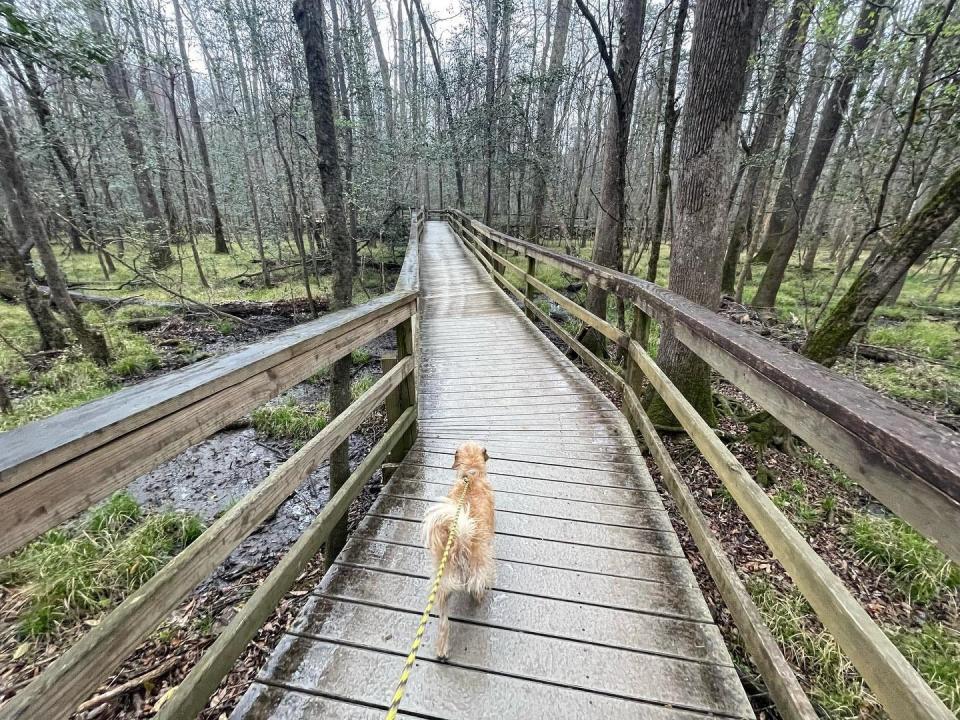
pixel 415 647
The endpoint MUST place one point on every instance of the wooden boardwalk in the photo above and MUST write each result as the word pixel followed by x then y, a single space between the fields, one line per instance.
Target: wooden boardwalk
pixel 595 612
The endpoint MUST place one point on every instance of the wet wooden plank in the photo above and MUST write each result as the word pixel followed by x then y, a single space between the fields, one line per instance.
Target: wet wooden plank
pixel 624 516
pixel 672 599
pixel 538 551
pixel 270 702
pixel 437 690
pixel 611 475
pixel 560 529
pixel 639 676
pixel 643 632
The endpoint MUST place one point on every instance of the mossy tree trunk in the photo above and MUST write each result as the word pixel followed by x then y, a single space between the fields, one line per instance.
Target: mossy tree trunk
pixel 309 16
pixel 881 273
pixel 723 38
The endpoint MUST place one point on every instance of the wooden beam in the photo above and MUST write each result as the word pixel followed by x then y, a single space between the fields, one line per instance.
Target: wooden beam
pixel 191 696
pixel 53 497
pixel 64 684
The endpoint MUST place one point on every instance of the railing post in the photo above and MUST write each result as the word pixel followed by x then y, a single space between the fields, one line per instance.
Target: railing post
pixel 407 390
pixel 632 373
pixel 527 287
pixel 387 362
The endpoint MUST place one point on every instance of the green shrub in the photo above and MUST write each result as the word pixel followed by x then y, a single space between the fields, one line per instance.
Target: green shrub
pixel 360 356
pixel 133 355
pixel 918 569
pixel 225 327
pixel 119 511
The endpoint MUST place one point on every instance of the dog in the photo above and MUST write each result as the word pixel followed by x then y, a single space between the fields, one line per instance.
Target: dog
pixel 470 564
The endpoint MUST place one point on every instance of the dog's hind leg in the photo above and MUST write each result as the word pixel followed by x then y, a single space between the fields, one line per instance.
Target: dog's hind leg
pixel 443 632
pixel 482 573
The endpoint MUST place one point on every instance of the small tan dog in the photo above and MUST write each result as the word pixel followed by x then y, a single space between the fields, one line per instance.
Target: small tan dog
pixel 470 562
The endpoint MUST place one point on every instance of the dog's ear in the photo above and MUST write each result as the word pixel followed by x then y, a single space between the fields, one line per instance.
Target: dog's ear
pixel 485 456
pixel 456 458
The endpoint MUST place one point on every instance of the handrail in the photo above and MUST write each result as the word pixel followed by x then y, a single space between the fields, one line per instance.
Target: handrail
pixel 908 462
pixel 896 683
pixel 172 417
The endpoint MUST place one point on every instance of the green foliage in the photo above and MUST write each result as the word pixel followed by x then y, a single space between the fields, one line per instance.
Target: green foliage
pixel 134 355
pixel 289 421
pixel 225 327
pixel 119 511
pixel 794 503
pixel 67 575
pixel 913 381
pixel 934 650
pixel 832 682
pixel 360 356
pixel 320 376
pixel 552 277
pixel 359 386
pixel 21 379
pixel 937 340
pixel 70 381
pixel 918 569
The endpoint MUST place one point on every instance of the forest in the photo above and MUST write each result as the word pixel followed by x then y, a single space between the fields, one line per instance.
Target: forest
pixel 179 178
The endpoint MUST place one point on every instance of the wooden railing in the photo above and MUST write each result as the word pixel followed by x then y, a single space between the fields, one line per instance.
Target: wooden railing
pixel 910 464
pixel 52 469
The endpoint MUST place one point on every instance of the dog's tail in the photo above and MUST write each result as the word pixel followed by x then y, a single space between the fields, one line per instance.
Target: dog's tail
pixel 436 531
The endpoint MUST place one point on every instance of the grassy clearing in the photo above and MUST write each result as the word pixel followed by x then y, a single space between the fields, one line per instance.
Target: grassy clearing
pixel 912 381
pixel 934 650
pixel 920 571
pixel 70 574
pixel 936 340
pixel 289 421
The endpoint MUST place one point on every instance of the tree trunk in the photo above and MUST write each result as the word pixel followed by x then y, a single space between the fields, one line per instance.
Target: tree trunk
pixel 543 150
pixel 48 327
pixel 788 224
pixel 881 273
pixel 384 66
pixel 797 148
pixel 612 210
pixel 773 118
pixel 115 77
pixel 723 39
pixel 489 107
pixel 219 239
pixel 670 114
pixel 27 223
pixel 308 15
pixel 447 104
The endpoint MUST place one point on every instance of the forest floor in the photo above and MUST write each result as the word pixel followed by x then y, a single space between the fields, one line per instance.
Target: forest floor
pixel 911 353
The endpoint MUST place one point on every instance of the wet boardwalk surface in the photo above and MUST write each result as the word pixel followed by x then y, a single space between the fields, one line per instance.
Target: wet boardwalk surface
pixel 595 612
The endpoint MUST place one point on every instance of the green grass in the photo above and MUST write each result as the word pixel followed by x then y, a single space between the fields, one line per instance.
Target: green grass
pixel 320 376
pixel 831 680
pixel 70 574
pixel 363 383
pixel 361 356
pixel 920 571
pixel 225 327
pixel 71 379
pixel 936 340
pixel 924 382
pixel 934 650
pixel 289 421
